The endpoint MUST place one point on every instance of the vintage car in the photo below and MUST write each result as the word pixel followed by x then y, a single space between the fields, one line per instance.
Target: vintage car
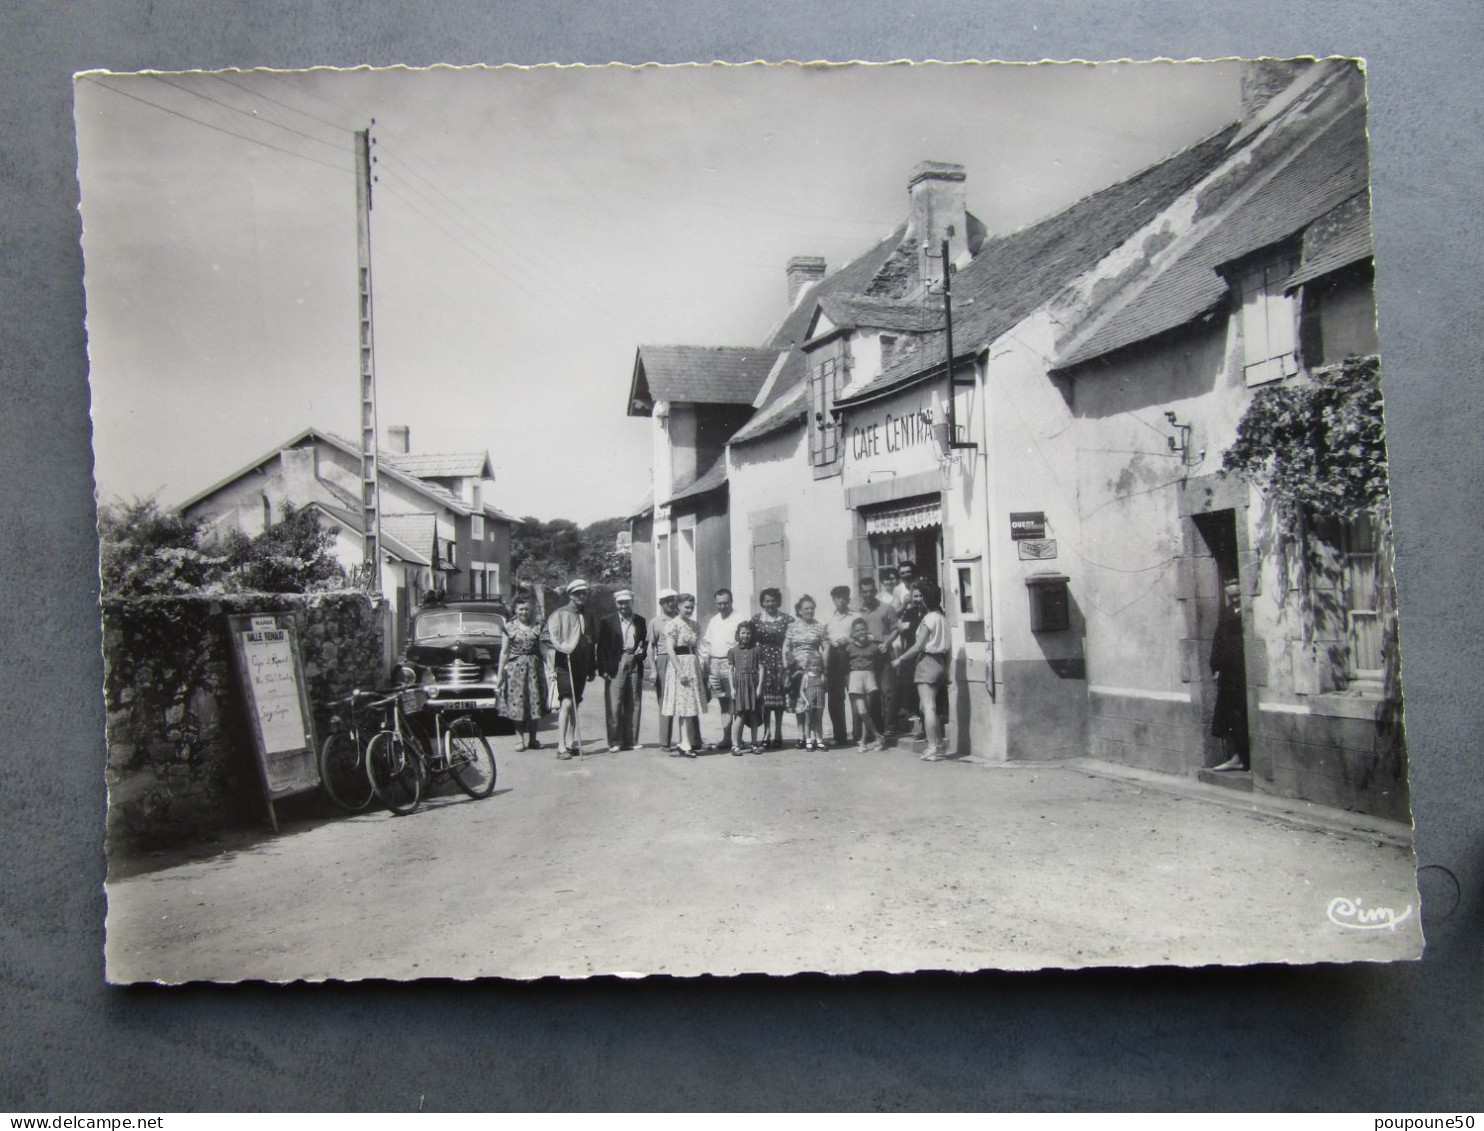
pixel 453 649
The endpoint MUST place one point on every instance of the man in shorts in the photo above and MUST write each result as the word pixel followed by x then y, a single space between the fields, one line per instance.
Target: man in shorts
pixel 716 642
pixel 881 621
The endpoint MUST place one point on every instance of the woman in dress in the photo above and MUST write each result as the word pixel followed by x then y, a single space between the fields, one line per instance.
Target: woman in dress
pixel 769 628
pixel 685 693
pixel 805 638
pixel 929 655
pixel 520 677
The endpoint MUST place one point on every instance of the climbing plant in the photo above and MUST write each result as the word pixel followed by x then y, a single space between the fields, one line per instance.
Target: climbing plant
pixel 1316 450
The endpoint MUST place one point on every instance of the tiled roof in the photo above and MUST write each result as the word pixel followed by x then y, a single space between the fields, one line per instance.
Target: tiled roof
pixel 389 541
pixel 713 479
pixel 1015 274
pixel 701 374
pixel 414 530
pixel 785 405
pixel 1300 187
pixel 443 465
pixel 782 403
pixel 851 311
pixel 1337 239
pixel 645 506
pixel 500 516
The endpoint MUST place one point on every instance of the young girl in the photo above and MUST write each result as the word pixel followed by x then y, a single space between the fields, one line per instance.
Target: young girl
pixel 861 654
pixel 930 654
pixel 811 701
pixel 747 687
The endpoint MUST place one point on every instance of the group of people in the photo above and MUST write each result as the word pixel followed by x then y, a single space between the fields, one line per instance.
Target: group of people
pixel 880 657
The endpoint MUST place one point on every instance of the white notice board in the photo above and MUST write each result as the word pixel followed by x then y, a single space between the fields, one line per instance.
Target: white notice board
pixel 265 647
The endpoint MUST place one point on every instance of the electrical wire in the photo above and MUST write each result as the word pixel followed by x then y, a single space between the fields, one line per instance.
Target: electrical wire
pixel 278 102
pixel 246 113
pixel 220 129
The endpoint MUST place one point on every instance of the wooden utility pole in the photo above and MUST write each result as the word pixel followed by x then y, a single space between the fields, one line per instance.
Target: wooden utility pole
pixel 370 466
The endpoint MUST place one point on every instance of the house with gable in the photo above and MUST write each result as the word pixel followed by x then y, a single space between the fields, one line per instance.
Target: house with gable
pixel 791 526
pixel 439 530
pixel 1101 362
pixel 695 397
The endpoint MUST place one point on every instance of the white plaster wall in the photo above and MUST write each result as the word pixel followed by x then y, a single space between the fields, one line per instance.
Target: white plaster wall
pixel 775 472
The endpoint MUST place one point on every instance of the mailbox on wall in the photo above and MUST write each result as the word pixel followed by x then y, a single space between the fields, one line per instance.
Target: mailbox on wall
pixel 1051 605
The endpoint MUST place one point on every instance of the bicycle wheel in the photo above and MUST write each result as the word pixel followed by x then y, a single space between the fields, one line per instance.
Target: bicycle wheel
pixel 470 759
pixel 343 774
pixel 394 772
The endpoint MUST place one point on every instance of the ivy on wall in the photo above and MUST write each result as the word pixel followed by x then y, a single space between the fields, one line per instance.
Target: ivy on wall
pixel 1317 449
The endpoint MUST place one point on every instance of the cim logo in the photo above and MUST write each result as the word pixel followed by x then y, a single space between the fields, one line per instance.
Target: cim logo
pixel 1354 914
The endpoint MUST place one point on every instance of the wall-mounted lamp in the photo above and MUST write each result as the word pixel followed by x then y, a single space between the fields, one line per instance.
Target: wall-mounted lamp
pixel 1180 442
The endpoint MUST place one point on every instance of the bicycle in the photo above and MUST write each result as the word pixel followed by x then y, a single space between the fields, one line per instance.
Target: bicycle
pixel 342 756
pixel 404 758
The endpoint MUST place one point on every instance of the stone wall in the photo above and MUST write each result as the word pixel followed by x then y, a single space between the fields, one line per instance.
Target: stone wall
pixel 180 761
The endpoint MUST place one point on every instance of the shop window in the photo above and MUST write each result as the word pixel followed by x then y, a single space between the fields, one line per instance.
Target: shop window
pixel 825 379
pixel 1269 321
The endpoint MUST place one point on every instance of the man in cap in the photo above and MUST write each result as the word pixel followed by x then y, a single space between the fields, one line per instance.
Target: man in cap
pixel 567 648
pixel 622 643
pixel 669 602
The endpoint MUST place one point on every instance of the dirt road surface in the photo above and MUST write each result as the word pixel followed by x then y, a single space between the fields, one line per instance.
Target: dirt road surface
pixel 836 861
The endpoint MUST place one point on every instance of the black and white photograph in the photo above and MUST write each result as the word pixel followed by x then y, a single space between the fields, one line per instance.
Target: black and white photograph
pixel 570 521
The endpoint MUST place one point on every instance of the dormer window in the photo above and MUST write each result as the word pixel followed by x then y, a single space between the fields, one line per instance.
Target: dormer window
pixel 1269 320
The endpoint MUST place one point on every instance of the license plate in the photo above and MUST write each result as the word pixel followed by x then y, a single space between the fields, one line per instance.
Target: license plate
pixel 461 704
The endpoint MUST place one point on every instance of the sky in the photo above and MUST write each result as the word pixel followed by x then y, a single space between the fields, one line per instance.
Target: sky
pixel 531 227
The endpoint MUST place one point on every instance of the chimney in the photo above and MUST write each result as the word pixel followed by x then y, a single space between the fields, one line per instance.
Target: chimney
pixel 1264 79
pixel 936 191
pixel 803 270
pixel 398 439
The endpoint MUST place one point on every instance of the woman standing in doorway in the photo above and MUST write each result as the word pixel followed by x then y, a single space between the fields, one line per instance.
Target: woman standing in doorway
pixel 520 676
pixel 769 629
pixel 804 639
pixel 685 693
pixel 929 653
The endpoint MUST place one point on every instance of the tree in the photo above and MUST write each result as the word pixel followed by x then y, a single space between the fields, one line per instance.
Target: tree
pixel 148 552
pixel 552 552
pixel 293 555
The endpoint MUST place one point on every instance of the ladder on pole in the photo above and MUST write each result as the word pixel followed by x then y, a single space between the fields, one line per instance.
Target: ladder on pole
pixel 370 463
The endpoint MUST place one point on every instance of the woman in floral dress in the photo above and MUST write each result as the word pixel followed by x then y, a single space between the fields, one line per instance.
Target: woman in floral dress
pixel 769 628
pixel 804 638
pixel 520 678
pixel 685 692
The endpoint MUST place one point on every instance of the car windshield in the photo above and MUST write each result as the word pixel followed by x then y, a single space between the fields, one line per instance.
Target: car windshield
pixel 452 623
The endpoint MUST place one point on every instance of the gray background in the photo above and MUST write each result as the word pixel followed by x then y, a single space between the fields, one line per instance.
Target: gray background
pixel 1405 1037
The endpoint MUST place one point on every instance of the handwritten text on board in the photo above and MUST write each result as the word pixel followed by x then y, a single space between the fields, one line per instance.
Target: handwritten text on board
pixel 275 690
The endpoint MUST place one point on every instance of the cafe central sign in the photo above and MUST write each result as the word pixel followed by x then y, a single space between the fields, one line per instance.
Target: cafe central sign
pixel 894 434
pixel 891 434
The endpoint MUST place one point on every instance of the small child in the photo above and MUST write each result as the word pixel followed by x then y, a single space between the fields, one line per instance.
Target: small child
pixel 747 688
pixel 861 653
pixel 811 701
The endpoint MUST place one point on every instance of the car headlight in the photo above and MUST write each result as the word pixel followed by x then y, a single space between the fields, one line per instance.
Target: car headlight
pixel 402 675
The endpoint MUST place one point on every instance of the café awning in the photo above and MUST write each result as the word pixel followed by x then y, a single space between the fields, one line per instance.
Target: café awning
pixel 919 515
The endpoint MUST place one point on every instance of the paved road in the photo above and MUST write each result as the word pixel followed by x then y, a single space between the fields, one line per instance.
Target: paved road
pixel 784 862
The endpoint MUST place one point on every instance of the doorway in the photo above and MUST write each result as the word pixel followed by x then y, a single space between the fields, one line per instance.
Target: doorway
pixel 1216 562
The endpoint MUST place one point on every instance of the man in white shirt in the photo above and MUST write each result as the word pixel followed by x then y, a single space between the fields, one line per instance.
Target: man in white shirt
pixel 716 642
